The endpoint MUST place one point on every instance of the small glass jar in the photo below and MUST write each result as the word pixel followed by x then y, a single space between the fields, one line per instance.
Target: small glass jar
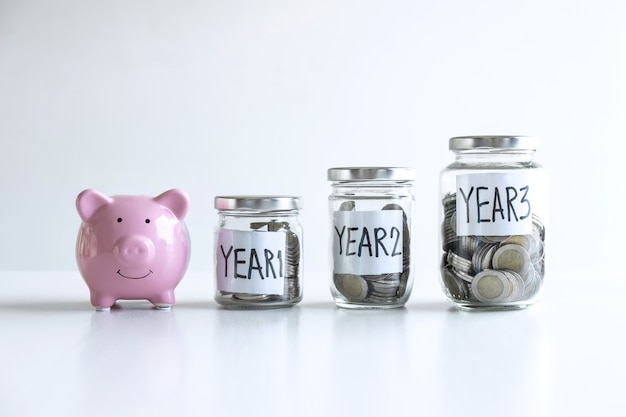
pixel 258 251
pixel 371 211
pixel 494 200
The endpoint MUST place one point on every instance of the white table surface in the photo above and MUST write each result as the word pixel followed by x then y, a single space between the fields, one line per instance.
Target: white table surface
pixel 563 356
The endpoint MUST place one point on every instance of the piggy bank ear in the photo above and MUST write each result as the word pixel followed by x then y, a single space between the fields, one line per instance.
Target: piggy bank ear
pixel 175 200
pixel 89 201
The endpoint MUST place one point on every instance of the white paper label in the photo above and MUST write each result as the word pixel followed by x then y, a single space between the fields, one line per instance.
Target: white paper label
pixel 251 262
pixel 367 242
pixel 494 204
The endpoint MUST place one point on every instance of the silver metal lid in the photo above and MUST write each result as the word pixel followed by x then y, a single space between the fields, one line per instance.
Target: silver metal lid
pixel 258 202
pixel 493 142
pixel 371 173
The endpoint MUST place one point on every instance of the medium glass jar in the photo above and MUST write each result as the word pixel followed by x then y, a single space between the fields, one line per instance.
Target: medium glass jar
pixel 371 211
pixel 494 200
pixel 258 251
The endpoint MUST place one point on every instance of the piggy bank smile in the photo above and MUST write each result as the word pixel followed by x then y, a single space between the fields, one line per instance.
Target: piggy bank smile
pixel 119 272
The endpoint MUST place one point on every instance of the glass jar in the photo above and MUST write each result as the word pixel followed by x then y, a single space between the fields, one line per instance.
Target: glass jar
pixel 258 251
pixel 371 210
pixel 494 200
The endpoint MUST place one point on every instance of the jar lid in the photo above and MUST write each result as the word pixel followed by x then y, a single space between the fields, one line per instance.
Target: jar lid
pixel 258 202
pixel 493 142
pixel 371 173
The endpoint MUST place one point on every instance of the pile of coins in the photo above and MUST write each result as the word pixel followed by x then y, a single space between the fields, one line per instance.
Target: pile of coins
pixel 490 269
pixel 377 289
pixel 292 263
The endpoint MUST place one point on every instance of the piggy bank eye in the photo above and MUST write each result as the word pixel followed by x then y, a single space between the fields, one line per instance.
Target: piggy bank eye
pixel 147 220
pixel 119 220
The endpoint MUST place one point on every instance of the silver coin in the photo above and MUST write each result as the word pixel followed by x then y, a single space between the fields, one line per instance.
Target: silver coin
pixel 404 282
pixel 491 286
pixel 483 256
pixel 538 254
pixel 492 239
pixel 251 297
pixel 387 289
pixel 463 275
pixel 381 300
pixel 351 286
pixel 531 283
pixel 452 222
pixel 372 277
pixel 384 285
pixel 517 286
pixel 455 286
pixel 525 241
pixel 449 200
pixel 511 257
pixel 459 263
pixel 347 206
pixel 465 246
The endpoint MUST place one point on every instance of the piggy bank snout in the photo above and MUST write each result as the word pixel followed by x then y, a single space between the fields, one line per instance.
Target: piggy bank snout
pixel 134 250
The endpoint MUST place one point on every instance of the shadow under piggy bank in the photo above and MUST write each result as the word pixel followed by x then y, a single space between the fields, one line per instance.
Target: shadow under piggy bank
pixel 133 360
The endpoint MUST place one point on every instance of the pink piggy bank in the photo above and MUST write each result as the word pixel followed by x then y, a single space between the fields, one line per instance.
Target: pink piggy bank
pixel 132 247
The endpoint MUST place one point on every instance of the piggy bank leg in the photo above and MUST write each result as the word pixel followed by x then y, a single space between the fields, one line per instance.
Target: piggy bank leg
pixel 163 301
pixel 102 302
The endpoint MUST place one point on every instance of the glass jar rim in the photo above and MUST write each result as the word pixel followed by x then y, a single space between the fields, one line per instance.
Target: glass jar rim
pixel 371 174
pixel 461 143
pixel 258 202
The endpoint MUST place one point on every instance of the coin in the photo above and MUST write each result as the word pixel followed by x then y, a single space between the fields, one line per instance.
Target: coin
pixel 492 239
pixel 491 286
pixel 257 225
pixel 455 286
pixel 459 263
pixel 525 241
pixel 347 206
pixel 463 275
pixel 483 256
pixel 386 286
pixel 466 246
pixel 511 257
pixel 251 297
pixel 517 286
pixel 351 286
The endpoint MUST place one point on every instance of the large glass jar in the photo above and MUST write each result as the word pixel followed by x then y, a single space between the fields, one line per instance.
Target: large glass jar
pixel 258 251
pixel 494 200
pixel 371 211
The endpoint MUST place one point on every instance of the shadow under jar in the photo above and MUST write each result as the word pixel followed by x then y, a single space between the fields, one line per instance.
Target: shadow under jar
pixel 371 211
pixel 494 208
pixel 258 251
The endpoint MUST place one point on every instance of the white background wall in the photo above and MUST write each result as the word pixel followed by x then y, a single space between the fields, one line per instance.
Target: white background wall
pixel 261 97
